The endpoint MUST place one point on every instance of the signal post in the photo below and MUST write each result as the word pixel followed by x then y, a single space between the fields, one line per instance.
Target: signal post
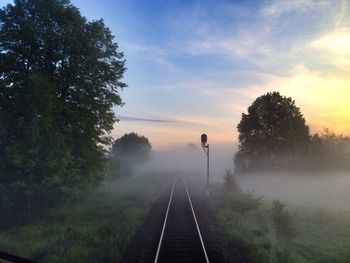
pixel 205 146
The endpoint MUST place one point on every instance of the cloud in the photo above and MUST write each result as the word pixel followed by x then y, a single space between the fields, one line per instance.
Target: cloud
pixel 242 44
pixel 278 8
pixel 126 118
pixel 343 14
pixel 272 45
pixel 156 54
pixel 260 43
pixel 337 42
pixel 182 119
pixel 334 47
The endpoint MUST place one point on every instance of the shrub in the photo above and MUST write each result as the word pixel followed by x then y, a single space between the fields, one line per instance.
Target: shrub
pixel 244 202
pixel 283 222
pixel 230 182
pixel 239 200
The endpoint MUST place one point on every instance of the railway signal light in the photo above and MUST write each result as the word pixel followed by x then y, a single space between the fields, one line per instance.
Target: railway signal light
pixel 205 146
pixel 204 139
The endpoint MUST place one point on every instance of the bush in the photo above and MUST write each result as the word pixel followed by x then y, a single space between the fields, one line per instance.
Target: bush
pixel 230 182
pixel 239 201
pixel 283 222
pixel 244 202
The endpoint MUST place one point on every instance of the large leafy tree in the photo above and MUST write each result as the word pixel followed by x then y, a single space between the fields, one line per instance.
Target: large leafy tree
pixel 131 147
pixel 127 152
pixel 59 80
pixel 271 134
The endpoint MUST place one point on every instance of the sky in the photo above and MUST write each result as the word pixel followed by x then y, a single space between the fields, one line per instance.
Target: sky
pixel 195 66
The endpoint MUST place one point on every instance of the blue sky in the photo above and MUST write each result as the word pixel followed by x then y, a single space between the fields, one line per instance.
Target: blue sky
pixel 197 65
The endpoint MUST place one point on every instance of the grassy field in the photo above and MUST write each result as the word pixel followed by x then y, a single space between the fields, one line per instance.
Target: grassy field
pixel 323 235
pixel 96 229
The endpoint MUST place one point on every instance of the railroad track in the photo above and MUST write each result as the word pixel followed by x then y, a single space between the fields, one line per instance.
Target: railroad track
pixel 180 239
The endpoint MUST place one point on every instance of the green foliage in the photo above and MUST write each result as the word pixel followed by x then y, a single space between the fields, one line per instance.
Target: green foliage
pixel 244 202
pixel 271 134
pixel 319 235
pixel 283 222
pixel 230 182
pixel 128 152
pixel 59 76
pixel 238 200
pixel 330 150
pixel 97 228
pixel 131 146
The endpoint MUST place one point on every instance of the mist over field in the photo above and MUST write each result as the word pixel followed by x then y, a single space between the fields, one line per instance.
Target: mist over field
pixel 326 191
pixel 191 160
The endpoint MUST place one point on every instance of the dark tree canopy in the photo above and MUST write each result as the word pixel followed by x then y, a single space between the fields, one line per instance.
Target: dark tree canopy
pixel 131 147
pixel 59 80
pixel 273 128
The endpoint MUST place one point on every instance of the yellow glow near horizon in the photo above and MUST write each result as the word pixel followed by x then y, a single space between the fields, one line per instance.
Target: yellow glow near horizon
pixel 324 108
pixel 323 97
pixel 324 100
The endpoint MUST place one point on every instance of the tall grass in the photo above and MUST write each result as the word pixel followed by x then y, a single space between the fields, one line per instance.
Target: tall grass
pixel 322 236
pixel 98 228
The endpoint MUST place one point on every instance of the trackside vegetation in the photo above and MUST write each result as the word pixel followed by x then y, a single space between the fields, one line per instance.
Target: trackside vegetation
pixel 97 228
pixel 275 232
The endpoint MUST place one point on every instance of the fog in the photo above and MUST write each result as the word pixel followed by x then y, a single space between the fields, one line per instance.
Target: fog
pixel 191 160
pixel 314 190
pixel 328 191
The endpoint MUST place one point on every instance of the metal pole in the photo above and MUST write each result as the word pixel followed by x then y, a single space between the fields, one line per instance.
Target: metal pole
pixel 208 166
pixel 205 146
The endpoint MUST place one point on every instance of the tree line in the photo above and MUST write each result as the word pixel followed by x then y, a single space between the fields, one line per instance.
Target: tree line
pixel 273 135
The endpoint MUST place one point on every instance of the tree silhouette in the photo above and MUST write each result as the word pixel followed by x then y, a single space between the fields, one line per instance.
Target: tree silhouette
pixel 271 133
pixel 59 77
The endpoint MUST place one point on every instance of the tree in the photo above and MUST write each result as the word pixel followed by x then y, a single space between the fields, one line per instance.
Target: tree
pixel 128 152
pixel 271 134
pixel 59 81
pixel 131 148
pixel 330 150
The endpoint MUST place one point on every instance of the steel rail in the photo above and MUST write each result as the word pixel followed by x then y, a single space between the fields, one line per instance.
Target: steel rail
pixel 195 219
pixel 165 220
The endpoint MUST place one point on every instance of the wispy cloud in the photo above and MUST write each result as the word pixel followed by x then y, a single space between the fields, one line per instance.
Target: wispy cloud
pixel 334 48
pixel 278 8
pixel 343 14
pixel 261 42
pixel 153 53
pixel 128 118
pixel 242 44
